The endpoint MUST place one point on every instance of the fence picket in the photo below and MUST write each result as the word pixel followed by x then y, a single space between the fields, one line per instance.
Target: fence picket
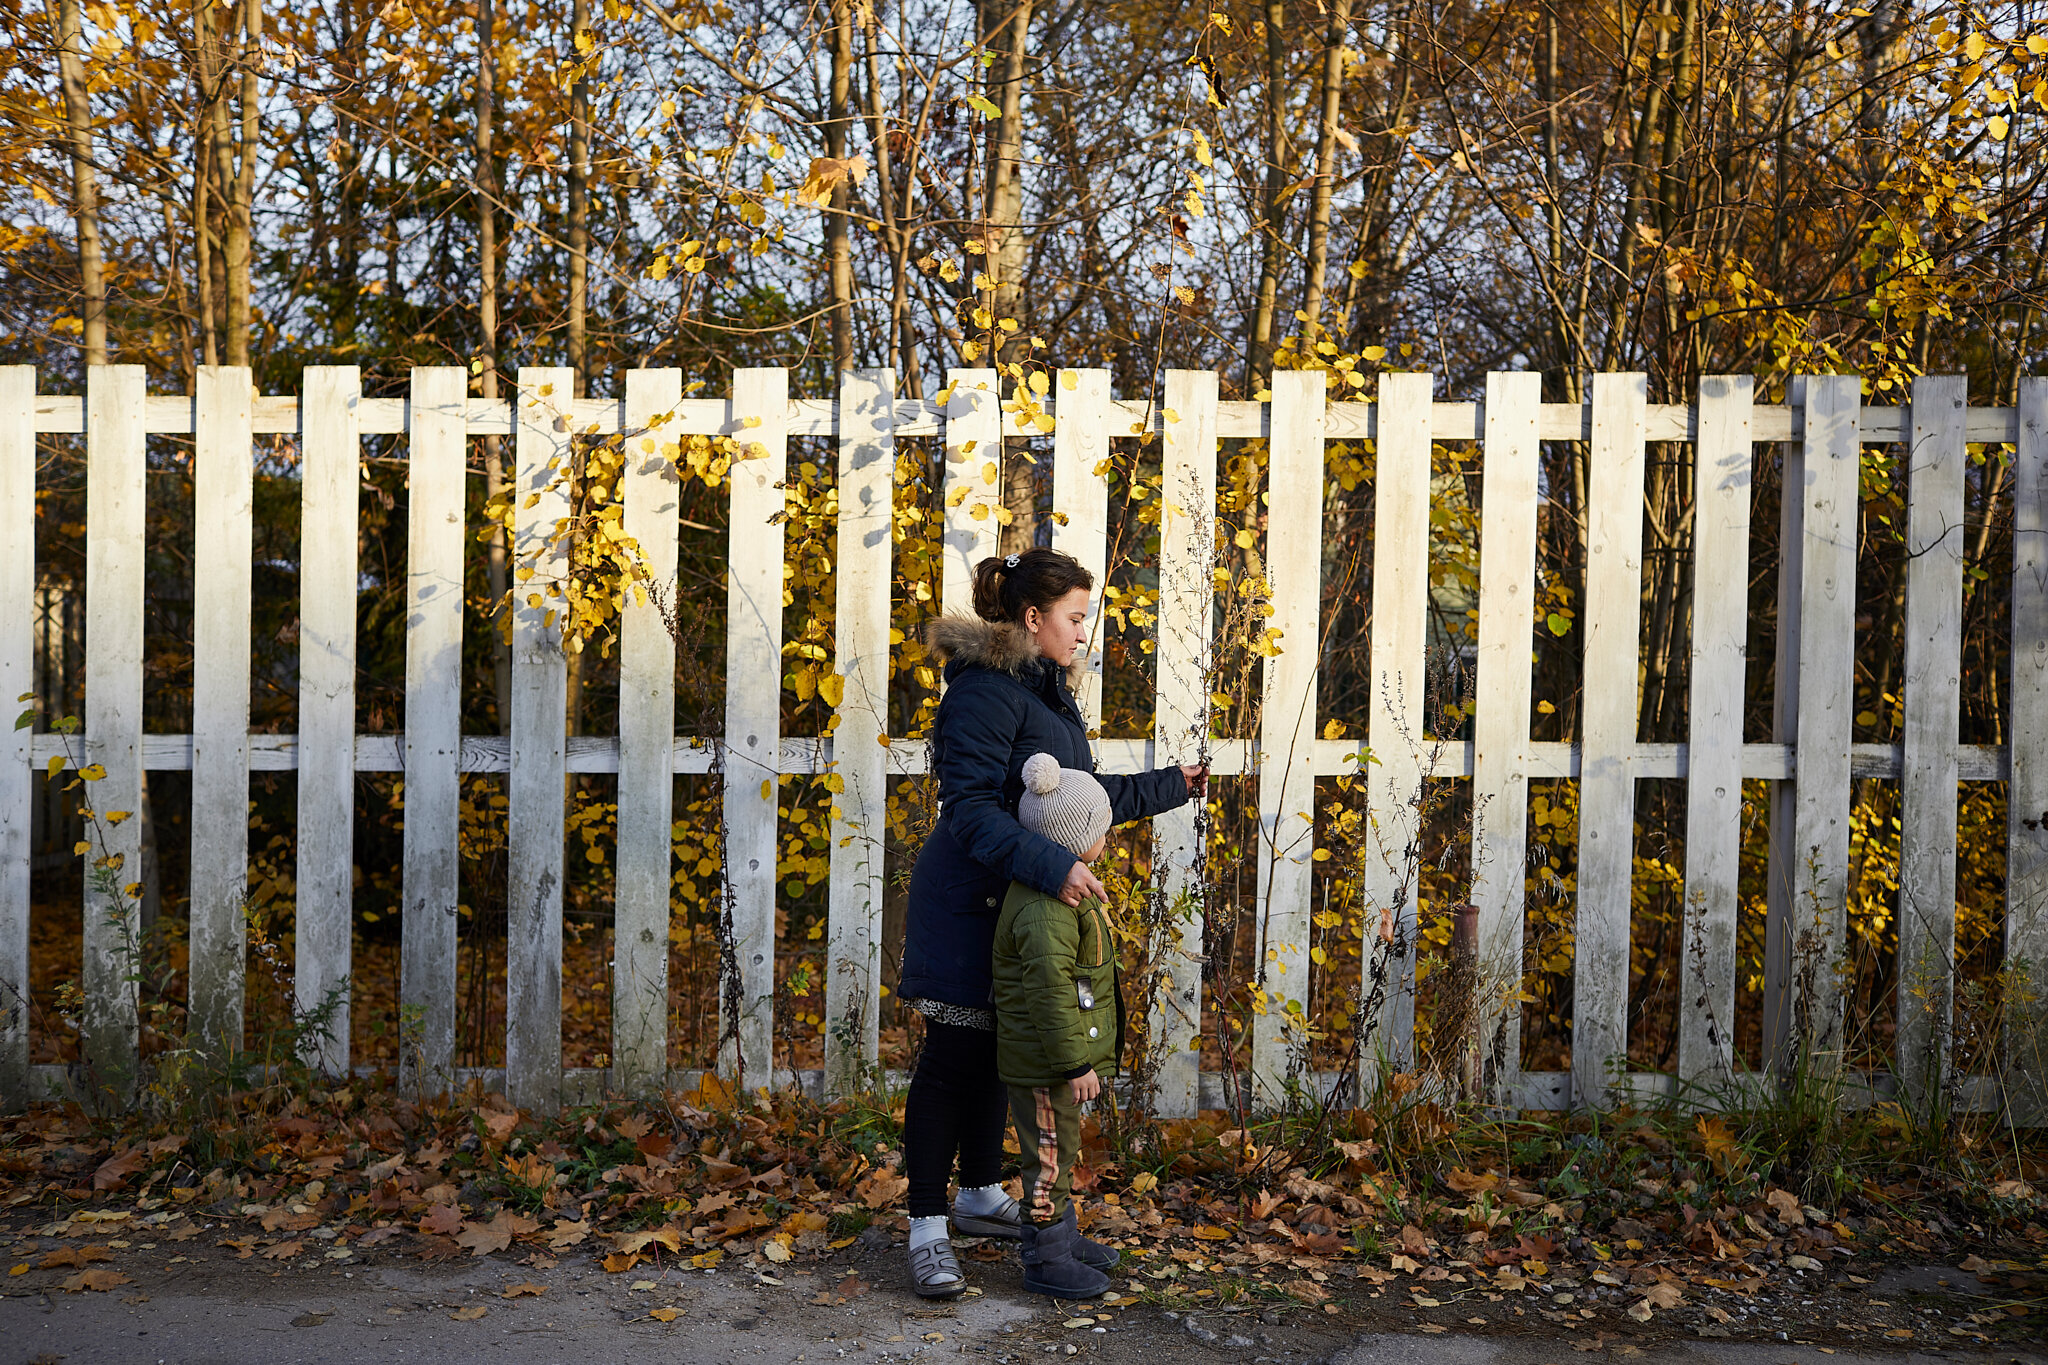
pixel 647 727
pixel 1723 460
pixel 1607 778
pixel 1080 498
pixel 860 658
pixel 1932 696
pixel 116 467
pixel 222 566
pixel 544 446
pixel 1287 729
pixel 1397 738
pixel 1187 550
pixel 1500 724
pixel 330 474
pixel 1812 936
pixel 435 520
pixel 2026 885
pixel 1784 792
pixel 17 677
pixel 973 484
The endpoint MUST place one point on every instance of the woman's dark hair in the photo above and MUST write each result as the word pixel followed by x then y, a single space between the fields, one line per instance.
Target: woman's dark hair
pixel 1004 585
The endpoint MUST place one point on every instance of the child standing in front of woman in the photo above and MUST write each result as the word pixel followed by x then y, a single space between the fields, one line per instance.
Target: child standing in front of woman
pixel 1056 1027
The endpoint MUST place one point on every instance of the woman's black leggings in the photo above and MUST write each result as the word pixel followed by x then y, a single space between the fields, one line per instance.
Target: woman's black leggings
pixel 957 1104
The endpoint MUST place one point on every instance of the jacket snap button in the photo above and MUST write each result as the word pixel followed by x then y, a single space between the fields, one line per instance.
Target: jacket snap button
pixel 1092 1032
pixel 991 900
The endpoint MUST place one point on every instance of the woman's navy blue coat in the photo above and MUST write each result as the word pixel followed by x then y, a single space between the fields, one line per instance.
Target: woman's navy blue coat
pixel 1004 702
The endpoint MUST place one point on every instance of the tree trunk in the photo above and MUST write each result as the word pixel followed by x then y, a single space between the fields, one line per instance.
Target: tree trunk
pixel 838 235
pixel 85 202
pixel 486 188
pixel 206 50
pixel 579 202
pixel 1326 163
pixel 1006 29
pixel 1259 359
pixel 235 150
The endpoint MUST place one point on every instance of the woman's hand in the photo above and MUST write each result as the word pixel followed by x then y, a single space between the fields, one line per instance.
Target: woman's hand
pixel 1197 775
pixel 1081 885
pixel 1086 1087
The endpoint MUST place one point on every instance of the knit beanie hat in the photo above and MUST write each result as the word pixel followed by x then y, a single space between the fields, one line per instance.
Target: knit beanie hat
pixel 1066 805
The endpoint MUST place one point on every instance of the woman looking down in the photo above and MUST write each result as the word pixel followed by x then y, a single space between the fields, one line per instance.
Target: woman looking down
pixel 1008 671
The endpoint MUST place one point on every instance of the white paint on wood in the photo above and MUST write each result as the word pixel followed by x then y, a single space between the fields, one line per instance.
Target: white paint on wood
pixel 2026 874
pixel 436 469
pixel 1827 650
pixel 17 677
pixel 1607 779
pixel 330 479
pixel 1500 726
pixel 533 913
pixel 1397 740
pixel 222 565
pixel 860 657
pixel 1080 499
pixel 1777 1001
pixel 1931 692
pixel 1287 732
pixel 1713 803
pixel 753 716
pixel 115 498
pixel 973 484
pixel 644 864
pixel 1181 731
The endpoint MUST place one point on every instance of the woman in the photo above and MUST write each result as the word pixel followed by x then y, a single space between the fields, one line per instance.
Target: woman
pixel 1008 696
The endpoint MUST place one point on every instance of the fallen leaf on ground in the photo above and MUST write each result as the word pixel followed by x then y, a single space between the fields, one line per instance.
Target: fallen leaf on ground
pixel 484 1238
pixel 283 1251
pixel 99 1281
pixel 469 1314
pixel 882 1188
pixel 74 1256
pixel 376 1235
pixel 630 1242
pixel 620 1262
pixel 443 1220
pixel 1664 1295
pixel 113 1173
pixel 1208 1232
pixel 566 1233
pixel 664 1314
pixel 524 1291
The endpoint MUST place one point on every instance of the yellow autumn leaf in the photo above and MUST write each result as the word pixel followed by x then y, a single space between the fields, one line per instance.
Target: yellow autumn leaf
pixel 832 688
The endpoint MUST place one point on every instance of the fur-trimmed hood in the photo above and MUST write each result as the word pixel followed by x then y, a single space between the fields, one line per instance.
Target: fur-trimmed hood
pixel 1002 645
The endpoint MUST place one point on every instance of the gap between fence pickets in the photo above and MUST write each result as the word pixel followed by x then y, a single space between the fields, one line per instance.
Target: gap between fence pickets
pixel 60 414
pixel 1534 1090
pixel 805 757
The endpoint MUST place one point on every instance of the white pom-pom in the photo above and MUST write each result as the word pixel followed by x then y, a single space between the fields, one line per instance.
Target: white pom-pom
pixel 1042 773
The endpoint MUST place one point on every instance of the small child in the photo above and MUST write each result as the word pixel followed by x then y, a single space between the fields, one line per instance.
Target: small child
pixel 1056 1027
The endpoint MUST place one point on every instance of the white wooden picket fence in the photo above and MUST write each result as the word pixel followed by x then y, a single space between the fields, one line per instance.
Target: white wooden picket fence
pixel 1810 761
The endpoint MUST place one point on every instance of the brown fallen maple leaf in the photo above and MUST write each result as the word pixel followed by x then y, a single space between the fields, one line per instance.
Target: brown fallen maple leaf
pixel 283 1251
pixel 74 1256
pixel 99 1281
pixel 443 1220
pixel 484 1238
pixel 566 1233
pixel 113 1173
pixel 526 1290
pixel 630 1242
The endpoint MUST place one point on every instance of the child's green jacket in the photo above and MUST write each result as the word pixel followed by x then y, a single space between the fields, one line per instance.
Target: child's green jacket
pixel 1055 989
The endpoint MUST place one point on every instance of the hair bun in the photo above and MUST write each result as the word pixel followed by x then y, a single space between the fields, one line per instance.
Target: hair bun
pixel 1042 773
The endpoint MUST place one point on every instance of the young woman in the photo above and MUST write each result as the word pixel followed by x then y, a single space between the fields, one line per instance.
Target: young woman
pixel 1008 696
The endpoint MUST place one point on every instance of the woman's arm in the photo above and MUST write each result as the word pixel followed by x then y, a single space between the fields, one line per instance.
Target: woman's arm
pixel 1137 796
pixel 973 764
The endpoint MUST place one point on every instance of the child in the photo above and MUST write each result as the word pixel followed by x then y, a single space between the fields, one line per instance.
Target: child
pixel 1056 1027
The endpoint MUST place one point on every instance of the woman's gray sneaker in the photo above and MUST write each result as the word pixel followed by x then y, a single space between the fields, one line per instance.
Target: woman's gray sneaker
pixel 934 1271
pixel 1007 1221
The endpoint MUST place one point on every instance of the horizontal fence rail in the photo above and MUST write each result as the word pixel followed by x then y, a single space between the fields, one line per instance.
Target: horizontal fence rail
pixel 1809 762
